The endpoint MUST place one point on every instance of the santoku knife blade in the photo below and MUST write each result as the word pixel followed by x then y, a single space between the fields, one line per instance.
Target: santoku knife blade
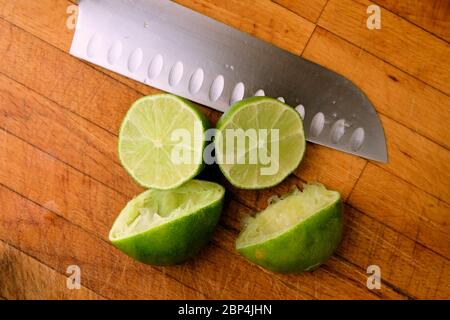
pixel 175 49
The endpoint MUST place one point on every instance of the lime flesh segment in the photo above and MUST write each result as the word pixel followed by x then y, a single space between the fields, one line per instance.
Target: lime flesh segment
pixel 263 115
pixel 295 234
pixel 147 143
pixel 168 227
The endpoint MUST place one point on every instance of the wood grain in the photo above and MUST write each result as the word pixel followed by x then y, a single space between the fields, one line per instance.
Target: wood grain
pixel 432 15
pixel 47 237
pixel 404 208
pixel 309 9
pixel 53 128
pixel 262 19
pixel 399 42
pixel 59 119
pixel 417 160
pixel 22 277
pixel 404 263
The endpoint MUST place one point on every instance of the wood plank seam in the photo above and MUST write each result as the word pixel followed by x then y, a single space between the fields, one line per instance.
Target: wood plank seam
pixel 413 23
pixel 234 253
pixel 88 232
pixel 440 277
pixel 446 201
pixel 307 43
pixel 382 59
pixel 320 15
pixel 356 182
pixel 62 161
pixel 396 231
pixel 392 286
pixel 290 10
pixel 84 62
pixel 41 262
pixel 387 62
pixel 294 12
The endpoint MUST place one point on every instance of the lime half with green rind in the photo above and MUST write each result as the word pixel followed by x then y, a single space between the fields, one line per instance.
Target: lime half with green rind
pixel 168 227
pixel 262 114
pixel 296 234
pixel 150 135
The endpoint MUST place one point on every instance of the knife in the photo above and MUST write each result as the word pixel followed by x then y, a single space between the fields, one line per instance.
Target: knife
pixel 175 49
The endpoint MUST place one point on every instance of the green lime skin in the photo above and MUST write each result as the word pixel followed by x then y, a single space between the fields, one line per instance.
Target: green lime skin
pixel 176 241
pixel 304 247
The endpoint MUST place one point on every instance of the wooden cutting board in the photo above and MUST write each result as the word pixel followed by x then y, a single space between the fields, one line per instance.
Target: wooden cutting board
pixel 61 185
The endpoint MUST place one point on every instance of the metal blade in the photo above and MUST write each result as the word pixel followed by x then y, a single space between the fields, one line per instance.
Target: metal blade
pixel 172 48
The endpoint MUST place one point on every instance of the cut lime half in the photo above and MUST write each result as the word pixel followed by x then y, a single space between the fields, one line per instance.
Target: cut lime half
pixel 296 233
pixel 167 227
pixel 260 141
pixel 161 141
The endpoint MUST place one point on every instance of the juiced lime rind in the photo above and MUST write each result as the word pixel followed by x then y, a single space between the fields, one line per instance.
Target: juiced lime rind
pixel 303 247
pixel 187 105
pixel 176 240
pixel 227 117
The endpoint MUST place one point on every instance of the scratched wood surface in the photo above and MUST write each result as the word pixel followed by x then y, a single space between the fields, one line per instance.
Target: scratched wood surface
pixel 61 185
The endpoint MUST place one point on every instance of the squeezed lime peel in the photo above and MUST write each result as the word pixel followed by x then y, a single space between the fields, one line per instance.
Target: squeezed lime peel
pixel 285 213
pixel 154 208
pixel 168 227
